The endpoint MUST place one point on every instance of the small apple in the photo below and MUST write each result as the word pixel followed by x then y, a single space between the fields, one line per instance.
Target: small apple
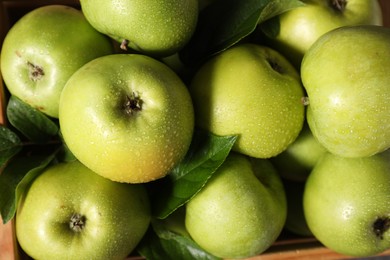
pixel 128 117
pixel 298 160
pixel 295 221
pixel 300 27
pixel 240 211
pixel 43 49
pixel 345 74
pixel 347 203
pixel 254 92
pixel 69 212
pixel 155 28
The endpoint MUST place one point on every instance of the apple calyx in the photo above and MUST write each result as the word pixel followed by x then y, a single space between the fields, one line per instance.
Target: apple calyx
pixel 339 5
pixel 77 222
pixel 380 226
pixel 35 72
pixel 124 44
pixel 133 104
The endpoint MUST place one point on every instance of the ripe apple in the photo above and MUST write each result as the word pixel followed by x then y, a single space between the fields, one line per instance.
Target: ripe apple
pixel 254 92
pixel 241 210
pixel 43 49
pixel 155 28
pixel 346 77
pixel 298 160
pixel 295 220
pixel 300 27
pixel 128 117
pixel 69 212
pixel 347 203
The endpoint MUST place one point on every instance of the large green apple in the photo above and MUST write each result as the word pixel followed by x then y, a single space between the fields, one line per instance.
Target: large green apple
pixel 346 77
pixel 241 211
pixel 156 28
pixel 128 117
pixel 69 212
pixel 254 92
pixel 297 161
pixel 43 49
pixel 300 27
pixel 347 203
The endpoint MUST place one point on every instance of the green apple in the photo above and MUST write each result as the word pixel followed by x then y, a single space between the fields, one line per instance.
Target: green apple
pixel 240 211
pixel 128 117
pixel 300 27
pixel 295 221
pixel 346 77
pixel 347 203
pixel 155 28
pixel 69 212
pixel 298 160
pixel 251 91
pixel 43 49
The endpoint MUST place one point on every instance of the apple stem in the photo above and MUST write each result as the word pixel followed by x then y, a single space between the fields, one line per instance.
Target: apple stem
pixel 339 5
pixel 36 72
pixel 124 44
pixel 381 225
pixel 77 222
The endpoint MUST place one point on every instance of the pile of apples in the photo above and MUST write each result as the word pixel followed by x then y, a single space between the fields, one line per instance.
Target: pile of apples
pixel 194 129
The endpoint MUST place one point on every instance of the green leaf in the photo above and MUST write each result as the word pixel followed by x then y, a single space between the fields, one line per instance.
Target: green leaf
pixel 160 243
pixel 225 22
pixel 16 177
pixel 32 123
pixel 271 27
pixel 64 154
pixel 10 145
pixel 206 154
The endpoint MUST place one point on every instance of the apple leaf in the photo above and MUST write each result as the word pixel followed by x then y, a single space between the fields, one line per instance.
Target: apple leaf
pixel 64 154
pixel 206 153
pixel 223 23
pixel 14 179
pixel 10 145
pixel 162 243
pixel 271 27
pixel 32 123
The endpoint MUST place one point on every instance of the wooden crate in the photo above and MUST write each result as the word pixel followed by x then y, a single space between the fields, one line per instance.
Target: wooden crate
pixel 288 246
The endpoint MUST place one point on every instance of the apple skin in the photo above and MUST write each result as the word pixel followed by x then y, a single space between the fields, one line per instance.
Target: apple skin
pixel 346 200
pixel 298 160
pixel 300 27
pixel 254 92
pixel 295 221
pixel 128 117
pixel 54 40
pixel 240 211
pixel 115 215
pixel 156 28
pixel 348 90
